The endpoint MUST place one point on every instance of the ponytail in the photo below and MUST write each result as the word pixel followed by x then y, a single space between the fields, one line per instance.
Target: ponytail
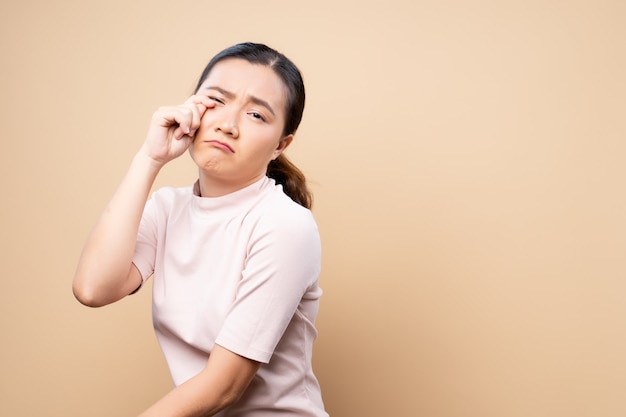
pixel 284 172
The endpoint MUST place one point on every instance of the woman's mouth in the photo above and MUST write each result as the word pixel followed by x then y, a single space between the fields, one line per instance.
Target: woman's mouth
pixel 221 145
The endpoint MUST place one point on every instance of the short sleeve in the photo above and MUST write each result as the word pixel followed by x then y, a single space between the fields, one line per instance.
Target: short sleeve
pixel 146 244
pixel 283 265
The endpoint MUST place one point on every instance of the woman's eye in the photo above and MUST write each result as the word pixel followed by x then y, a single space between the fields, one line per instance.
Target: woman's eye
pixel 216 99
pixel 257 115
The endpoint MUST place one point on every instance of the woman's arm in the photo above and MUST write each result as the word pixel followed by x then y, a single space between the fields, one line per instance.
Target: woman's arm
pixel 105 272
pixel 221 383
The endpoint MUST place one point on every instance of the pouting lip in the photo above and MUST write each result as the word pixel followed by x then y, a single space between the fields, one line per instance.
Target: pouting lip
pixel 220 144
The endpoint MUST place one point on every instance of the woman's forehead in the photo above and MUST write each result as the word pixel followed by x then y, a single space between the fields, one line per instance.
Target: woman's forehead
pixel 239 74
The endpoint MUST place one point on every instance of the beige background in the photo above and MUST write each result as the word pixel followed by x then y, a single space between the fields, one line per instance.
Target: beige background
pixel 468 165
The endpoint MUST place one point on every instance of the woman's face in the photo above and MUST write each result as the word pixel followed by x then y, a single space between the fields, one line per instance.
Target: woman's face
pixel 244 131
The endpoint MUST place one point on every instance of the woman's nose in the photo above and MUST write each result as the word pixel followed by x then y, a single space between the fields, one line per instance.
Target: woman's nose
pixel 228 125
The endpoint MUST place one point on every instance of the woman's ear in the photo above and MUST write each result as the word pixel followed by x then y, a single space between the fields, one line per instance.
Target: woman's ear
pixel 282 145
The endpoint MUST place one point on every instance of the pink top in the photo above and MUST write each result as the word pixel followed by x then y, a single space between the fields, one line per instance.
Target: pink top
pixel 241 271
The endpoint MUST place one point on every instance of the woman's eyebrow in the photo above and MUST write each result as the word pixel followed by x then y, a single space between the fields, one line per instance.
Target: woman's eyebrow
pixel 261 102
pixel 254 99
pixel 221 90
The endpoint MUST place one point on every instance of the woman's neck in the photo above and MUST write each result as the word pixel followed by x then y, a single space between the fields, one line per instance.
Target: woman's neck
pixel 212 187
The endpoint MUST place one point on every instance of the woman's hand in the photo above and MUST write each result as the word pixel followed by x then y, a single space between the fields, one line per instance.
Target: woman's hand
pixel 173 128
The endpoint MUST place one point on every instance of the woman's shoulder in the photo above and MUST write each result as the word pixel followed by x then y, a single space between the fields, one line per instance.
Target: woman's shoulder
pixel 274 213
pixel 278 207
pixel 168 197
pixel 281 220
pixel 172 193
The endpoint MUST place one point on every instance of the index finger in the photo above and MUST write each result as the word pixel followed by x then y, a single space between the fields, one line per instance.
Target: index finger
pixel 199 104
pixel 201 100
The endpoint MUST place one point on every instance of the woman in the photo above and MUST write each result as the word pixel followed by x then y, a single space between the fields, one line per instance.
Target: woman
pixel 235 257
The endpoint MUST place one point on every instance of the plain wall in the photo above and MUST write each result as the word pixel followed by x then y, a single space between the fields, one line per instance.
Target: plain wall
pixel 467 159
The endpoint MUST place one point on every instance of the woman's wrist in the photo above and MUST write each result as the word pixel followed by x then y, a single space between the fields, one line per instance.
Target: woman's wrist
pixel 144 159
